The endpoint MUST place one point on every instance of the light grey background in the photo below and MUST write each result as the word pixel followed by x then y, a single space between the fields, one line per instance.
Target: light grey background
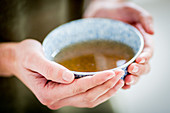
pixel 152 93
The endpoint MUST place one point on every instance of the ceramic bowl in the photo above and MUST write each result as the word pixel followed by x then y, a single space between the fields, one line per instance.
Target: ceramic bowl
pixel 93 29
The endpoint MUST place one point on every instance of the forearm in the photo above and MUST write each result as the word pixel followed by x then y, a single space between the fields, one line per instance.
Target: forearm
pixel 7 58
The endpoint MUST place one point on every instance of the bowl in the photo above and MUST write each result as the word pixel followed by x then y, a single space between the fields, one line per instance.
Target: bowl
pixel 93 29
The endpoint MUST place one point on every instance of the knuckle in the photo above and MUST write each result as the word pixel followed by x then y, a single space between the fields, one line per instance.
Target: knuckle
pixel 144 69
pixel 88 99
pixel 60 71
pixel 97 81
pixel 140 71
pixel 110 94
pixel 91 105
pixel 29 58
pixel 48 72
pixel 30 42
pixel 45 99
pixel 109 85
pixel 77 90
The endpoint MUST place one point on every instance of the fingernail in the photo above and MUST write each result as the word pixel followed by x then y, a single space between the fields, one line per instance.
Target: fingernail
pixel 68 76
pixel 142 61
pixel 131 82
pixel 135 69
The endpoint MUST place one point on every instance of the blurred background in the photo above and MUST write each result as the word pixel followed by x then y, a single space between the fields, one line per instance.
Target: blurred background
pixel 152 92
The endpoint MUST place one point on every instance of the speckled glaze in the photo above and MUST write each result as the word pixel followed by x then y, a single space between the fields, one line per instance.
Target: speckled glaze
pixel 93 29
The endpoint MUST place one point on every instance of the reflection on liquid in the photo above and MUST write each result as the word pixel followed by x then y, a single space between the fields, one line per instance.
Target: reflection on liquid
pixel 93 56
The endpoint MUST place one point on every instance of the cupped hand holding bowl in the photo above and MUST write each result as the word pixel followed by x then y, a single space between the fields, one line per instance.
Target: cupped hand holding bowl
pixel 132 14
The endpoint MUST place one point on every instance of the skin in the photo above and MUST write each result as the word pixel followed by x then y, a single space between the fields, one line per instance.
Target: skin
pixel 54 85
pixel 44 78
pixel 132 14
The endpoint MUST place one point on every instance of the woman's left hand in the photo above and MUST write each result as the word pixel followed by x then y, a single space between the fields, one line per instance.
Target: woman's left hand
pixel 132 14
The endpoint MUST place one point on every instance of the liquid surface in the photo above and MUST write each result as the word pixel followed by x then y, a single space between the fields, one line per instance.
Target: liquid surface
pixel 96 55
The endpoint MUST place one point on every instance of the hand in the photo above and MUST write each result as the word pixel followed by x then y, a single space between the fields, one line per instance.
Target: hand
pixel 141 66
pixel 29 57
pixel 45 79
pixel 132 14
pixel 124 11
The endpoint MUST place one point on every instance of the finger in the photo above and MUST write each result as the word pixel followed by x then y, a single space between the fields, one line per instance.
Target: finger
pixel 131 79
pixel 145 19
pixel 147 22
pixel 80 101
pixel 144 57
pixel 147 38
pixel 50 70
pixel 93 94
pixel 109 94
pixel 138 69
pixel 142 16
pixel 147 52
pixel 84 84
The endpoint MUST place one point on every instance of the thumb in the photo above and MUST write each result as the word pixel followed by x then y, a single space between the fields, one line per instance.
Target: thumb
pixel 49 69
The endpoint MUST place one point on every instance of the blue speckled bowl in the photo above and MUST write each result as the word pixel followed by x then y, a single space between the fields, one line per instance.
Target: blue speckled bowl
pixel 92 29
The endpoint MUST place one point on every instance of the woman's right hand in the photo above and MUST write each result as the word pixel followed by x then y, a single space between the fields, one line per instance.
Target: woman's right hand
pixel 54 85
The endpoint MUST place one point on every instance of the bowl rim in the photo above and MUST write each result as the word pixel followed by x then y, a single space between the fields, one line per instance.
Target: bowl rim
pixel 120 67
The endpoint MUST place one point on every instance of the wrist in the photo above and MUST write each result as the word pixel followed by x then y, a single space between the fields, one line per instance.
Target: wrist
pixel 7 58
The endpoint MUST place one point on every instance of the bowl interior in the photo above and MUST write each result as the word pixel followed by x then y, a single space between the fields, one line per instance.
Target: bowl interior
pixel 92 29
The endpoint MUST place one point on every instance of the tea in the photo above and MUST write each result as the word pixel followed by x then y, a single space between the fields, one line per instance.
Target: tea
pixel 96 55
